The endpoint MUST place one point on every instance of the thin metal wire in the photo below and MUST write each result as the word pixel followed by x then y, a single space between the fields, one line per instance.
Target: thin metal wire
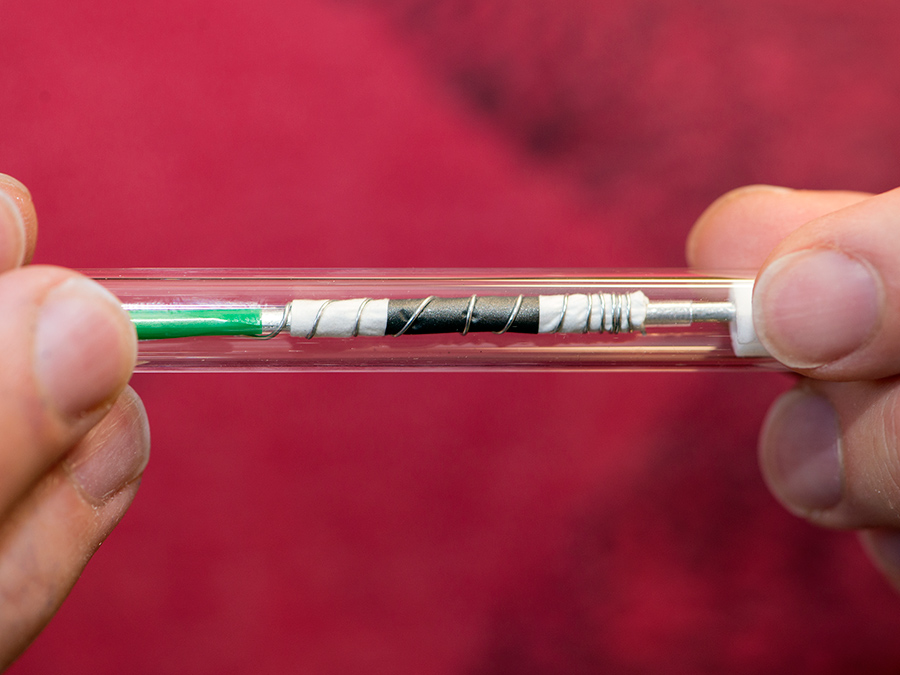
pixel 617 312
pixel 602 313
pixel 587 323
pixel 359 312
pixel 562 314
pixel 415 315
pixel 513 316
pixel 312 331
pixel 469 312
pixel 285 322
pixel 615 317
pixel 627 316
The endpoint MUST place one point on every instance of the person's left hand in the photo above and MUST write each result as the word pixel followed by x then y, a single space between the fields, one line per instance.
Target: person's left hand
pixel 74 438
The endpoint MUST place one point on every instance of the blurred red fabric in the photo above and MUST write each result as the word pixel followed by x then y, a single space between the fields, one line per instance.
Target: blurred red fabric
pixel 448 523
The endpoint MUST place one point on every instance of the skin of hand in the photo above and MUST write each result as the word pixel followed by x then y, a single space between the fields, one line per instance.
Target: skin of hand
pixel 74 439
pixel 827 304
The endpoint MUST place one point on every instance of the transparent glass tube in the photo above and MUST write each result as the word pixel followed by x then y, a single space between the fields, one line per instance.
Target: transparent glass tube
pixel 219 316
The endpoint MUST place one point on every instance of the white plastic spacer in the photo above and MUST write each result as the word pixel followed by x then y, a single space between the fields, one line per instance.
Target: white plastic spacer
pixel 338 318
pixel 744 340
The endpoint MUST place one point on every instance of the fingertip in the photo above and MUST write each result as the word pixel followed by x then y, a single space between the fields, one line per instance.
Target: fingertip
pixel 800 453
pixel 826 300
pixel 69 349
pixel 14 184
pixel 18 198
pixel 813 307
pixel 115 452
pixel 85 346
pixel 741 228
pixel 711 242
pixel 12 234
pixel 883 548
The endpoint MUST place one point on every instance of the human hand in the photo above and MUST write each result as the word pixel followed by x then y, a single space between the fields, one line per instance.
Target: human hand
pixel 827 304
pixel 74 439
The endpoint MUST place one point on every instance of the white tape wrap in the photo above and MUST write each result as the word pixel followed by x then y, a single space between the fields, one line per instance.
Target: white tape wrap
pixel 338 318
pixel 580 313
pixel 744 340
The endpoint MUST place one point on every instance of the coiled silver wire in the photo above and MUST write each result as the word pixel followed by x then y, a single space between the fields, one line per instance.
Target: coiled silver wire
pixel 614 315
pixel 285 322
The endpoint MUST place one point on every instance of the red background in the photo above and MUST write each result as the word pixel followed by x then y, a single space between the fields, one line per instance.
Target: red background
pixel 448 523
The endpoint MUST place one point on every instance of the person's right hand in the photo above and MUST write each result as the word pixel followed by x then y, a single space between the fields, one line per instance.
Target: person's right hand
pixel 74 439
pixel 827 304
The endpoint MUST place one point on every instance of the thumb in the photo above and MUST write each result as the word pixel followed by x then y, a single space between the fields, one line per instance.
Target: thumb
pixel 827 300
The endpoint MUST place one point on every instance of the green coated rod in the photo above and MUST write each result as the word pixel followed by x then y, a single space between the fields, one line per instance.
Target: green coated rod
pixel 158 324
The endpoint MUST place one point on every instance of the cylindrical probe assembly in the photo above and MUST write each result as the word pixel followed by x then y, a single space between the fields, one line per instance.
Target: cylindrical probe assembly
pixel 307 320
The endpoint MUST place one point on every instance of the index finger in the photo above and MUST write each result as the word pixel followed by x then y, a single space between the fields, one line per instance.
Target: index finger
pixel 741 228
pixel 18 224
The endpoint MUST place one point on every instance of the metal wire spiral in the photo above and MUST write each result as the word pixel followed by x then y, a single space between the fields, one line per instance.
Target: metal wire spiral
pixel 285 323
pixel 605 312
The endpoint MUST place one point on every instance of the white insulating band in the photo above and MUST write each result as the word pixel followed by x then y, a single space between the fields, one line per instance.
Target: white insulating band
pixel 581 313
pixel 339 318
pixel 744 340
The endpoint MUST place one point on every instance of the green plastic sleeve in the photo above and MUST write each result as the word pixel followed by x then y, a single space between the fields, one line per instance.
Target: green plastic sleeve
pixel 157 324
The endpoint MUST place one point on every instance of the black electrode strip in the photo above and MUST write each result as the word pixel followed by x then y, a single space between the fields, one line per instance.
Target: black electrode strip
pixel 448 315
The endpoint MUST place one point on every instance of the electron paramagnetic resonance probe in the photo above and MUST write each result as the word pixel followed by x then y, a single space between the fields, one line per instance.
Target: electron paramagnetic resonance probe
pixel 306 320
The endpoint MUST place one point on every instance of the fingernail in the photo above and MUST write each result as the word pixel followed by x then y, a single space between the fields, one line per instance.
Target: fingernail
pixel 84 347
pixel 813 307
pixel 115 451
pixel 800 452
pixel 12 233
